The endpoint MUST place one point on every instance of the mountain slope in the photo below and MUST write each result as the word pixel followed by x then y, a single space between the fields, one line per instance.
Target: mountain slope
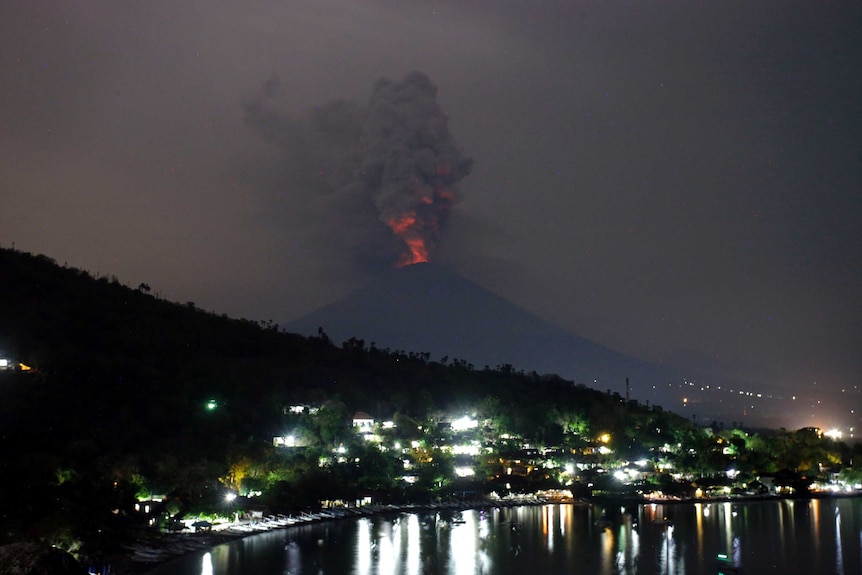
pixel 426 308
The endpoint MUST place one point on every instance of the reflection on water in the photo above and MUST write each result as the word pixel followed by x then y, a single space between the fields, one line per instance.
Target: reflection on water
pixel 839 555
pixel 780 537
pixel 207 567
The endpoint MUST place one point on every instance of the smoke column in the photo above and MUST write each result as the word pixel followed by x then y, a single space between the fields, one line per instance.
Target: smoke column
pixel 410 163
pixel 386 168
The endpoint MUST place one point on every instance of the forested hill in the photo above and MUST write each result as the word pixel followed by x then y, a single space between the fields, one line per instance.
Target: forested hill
pixel 119 356
pixel 129 389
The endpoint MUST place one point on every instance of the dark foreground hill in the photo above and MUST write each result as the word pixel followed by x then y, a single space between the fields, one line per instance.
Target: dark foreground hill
pixel 112 357
pixel 110 396
pixel 128 393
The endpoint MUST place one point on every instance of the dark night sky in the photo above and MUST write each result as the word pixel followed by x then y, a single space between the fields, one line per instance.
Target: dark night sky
pixel 680 181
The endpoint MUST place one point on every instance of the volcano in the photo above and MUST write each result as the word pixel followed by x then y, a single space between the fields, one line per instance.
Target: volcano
pixel 427 308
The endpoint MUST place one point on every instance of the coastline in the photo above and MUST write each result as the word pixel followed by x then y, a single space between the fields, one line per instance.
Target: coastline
pixel 147 555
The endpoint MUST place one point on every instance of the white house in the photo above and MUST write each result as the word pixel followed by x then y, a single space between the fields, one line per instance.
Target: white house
pixel 363 422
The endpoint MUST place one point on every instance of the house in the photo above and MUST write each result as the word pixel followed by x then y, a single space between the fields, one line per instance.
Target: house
pixel 363 421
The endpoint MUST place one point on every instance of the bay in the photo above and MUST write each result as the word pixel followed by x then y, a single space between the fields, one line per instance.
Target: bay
pixel 787 537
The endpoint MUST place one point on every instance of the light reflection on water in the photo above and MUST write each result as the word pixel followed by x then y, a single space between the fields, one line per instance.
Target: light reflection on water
pixel 207 567
pixel 780 537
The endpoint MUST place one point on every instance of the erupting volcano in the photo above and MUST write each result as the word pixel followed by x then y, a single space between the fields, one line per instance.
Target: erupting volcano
pixel 420 229
pixel 411 164
pixel 407 228
pixel 384 174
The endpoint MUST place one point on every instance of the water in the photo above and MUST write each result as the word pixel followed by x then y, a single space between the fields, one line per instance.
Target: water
pixel 782 537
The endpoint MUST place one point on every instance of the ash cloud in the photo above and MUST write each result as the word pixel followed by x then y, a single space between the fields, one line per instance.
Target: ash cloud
pixel 378 180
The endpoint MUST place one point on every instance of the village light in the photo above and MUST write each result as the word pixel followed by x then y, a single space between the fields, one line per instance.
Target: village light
pixel 464 423
pixel 605 437
pixel 230 496
pixel 285 441
pixel 466 449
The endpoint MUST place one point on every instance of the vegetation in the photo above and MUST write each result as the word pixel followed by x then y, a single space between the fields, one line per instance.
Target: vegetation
pixel 124 412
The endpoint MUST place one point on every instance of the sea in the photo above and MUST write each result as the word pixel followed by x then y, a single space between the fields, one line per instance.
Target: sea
pixel 781 537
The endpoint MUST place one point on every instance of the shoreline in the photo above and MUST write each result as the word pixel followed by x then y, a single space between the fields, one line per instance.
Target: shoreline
pixel 147 555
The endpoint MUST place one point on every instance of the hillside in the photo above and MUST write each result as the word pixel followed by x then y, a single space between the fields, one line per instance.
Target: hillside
pixel 425 307
pixel 121 380
pixel 130 397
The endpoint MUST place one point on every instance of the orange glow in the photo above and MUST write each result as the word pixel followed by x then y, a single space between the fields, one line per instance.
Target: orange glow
pixel 446 195
pixel 444 169
pixel 400 225
pixel 406 228
pixel 418 252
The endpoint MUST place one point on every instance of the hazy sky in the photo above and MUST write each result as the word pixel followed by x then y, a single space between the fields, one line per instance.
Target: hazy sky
pixel 677 180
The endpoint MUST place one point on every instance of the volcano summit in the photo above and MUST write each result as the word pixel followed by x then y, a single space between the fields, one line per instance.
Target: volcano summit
pixel 427 308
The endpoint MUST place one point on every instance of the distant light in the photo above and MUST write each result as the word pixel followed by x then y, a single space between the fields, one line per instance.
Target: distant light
pixel 464 471
pixel 212 404
pixel 833 434
pixel 230 496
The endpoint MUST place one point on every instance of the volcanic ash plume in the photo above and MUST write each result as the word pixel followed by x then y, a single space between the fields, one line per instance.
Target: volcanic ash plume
pixel 390 166
pixel 410 163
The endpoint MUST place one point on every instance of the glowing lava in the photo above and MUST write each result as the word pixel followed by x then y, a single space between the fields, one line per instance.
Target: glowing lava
pixel 409 230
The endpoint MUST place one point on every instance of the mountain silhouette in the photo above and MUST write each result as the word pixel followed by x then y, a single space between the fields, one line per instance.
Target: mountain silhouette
pixel 428 309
